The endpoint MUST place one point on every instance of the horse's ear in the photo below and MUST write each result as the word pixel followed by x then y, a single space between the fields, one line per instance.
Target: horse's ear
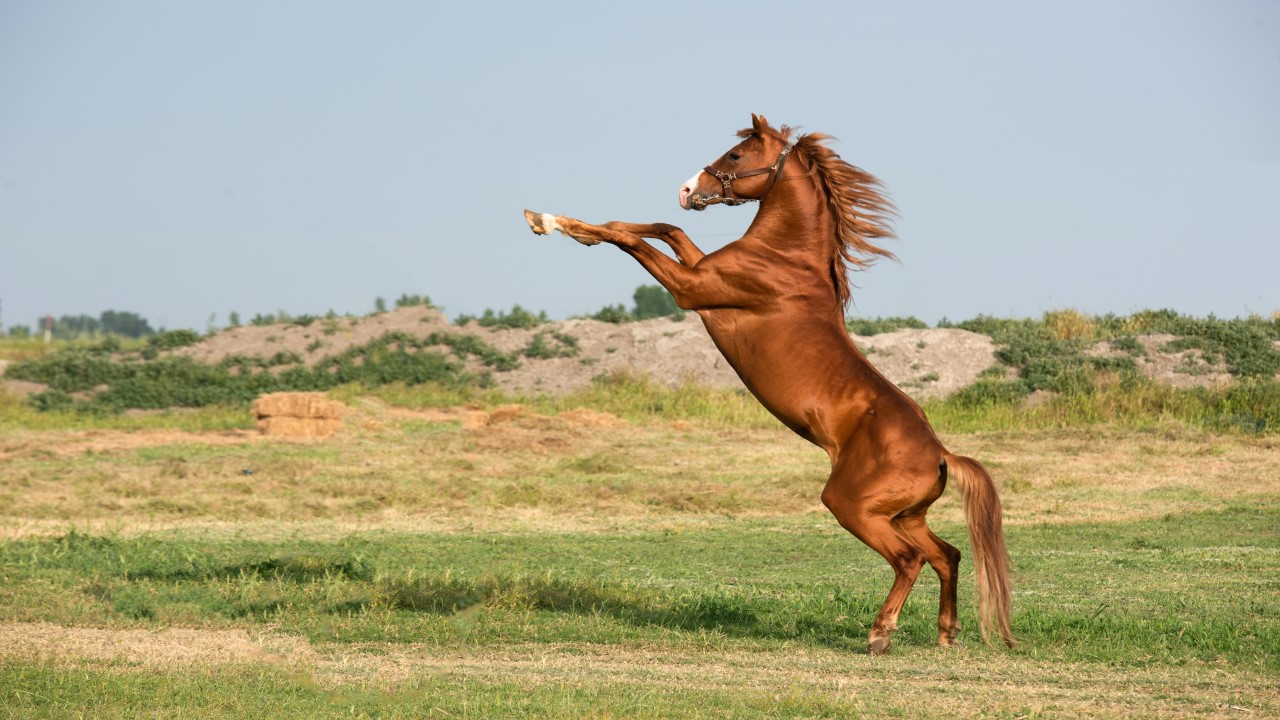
pixel 758 121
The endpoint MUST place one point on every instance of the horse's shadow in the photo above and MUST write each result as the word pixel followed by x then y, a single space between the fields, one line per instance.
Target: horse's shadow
pixel 833 622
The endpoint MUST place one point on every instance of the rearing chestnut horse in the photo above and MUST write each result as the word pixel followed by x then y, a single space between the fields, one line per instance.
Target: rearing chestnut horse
pixel 773 303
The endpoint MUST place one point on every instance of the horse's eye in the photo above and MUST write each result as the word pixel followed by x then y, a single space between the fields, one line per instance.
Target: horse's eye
pixel 734 156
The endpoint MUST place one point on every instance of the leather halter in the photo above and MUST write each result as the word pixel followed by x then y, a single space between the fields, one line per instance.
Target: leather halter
pixel 774 170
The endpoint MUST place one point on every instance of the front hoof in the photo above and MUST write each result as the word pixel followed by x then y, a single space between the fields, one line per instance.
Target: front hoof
pixel 540 223
pixel 878 644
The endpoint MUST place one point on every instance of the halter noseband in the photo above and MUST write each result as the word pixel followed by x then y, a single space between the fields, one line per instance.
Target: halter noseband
pixel 774 170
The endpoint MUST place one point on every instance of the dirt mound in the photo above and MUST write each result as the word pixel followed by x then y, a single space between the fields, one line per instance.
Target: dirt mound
pixel 313 340
pixel 926 363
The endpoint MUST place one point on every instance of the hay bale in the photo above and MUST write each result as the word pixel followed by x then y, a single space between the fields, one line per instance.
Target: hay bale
pixel 297 405
pixel 303 414
pixel 299 427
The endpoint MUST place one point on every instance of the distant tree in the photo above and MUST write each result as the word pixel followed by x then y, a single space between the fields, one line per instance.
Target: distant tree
pixel 653 301
pixel 19 332
pixel 380 305
pixel 613 314
pixel 125 323
pixel 70 327
pixel 407 300
pixel 234 319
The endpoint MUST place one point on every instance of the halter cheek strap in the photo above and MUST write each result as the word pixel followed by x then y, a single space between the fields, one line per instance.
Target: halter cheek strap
pixel 726 179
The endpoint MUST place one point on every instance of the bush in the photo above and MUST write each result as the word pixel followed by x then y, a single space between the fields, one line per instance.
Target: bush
pixel 171 339
pixel 615 314
pixel 566 346
pixel 868 326
pixel 517 318
pixel 407 300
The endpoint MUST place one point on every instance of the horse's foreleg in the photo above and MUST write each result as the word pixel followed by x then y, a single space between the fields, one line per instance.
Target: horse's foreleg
pixel 686 252
pixel 675 238
pixel 693 287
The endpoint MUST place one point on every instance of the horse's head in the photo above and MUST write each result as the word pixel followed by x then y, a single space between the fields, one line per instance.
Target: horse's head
pixel 745 173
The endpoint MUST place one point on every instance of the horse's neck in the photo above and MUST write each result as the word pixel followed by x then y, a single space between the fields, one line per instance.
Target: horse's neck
pixel 796 220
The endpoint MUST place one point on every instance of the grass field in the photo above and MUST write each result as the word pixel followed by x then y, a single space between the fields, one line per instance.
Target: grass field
pixel 574 564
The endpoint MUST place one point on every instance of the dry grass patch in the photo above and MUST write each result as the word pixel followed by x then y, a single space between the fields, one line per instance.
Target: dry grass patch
pixel 1115 476
pixel 156 649
pixel 471 470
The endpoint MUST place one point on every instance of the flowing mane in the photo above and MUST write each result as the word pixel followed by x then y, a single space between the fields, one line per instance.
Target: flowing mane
pixel 855 196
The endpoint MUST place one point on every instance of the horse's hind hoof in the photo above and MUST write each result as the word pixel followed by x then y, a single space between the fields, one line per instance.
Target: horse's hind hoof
pixel 540 223
pixel 878 645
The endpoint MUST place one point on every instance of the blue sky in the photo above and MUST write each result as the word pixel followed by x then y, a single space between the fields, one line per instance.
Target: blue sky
pixel 184 160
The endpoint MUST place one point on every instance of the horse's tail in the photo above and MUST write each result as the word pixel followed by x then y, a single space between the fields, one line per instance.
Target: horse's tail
pixel 982 512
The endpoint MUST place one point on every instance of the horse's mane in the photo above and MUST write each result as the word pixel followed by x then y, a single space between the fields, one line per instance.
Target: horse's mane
pixel 861 211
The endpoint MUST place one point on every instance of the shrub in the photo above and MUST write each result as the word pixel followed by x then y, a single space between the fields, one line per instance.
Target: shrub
pixel 517 318
pixel 171 339
pixel 868 326
pixel 566 346
pixel 407 300
pixel 615 314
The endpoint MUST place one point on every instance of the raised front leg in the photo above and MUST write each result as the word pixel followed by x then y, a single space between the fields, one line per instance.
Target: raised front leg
pixel 686 252
pixel 695 284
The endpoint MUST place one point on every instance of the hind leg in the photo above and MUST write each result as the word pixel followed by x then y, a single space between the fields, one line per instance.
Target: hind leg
pixel 863 516
pixel 945 560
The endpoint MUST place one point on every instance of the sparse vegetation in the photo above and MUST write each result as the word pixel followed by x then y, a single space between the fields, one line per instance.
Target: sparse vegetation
pixel 407 300
pixel 874 326
pixel 517 318
pixel 564 345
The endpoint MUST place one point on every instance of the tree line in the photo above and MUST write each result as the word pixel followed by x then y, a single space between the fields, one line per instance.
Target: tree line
pixel 650 301
pixel 71 327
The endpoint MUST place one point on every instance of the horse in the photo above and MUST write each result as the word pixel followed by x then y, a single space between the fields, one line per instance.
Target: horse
pixel 773 302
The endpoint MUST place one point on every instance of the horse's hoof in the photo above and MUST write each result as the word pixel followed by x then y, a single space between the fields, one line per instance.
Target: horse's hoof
pixel 878 645
pixel 540 223
pixel 952 643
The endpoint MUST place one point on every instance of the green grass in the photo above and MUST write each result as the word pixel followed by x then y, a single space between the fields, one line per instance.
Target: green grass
pixel 17 414
pixel 1196 590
